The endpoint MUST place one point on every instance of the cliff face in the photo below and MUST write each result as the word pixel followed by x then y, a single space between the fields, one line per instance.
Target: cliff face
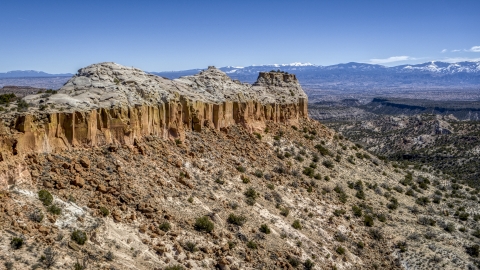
pixel 110 104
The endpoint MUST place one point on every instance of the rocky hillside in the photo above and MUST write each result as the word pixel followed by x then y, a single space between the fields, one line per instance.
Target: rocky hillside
pixel 204 172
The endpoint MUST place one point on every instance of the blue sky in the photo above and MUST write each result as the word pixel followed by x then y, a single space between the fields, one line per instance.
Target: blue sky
pixel 63 36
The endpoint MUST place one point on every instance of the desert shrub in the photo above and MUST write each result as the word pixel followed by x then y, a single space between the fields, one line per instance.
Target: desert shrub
pixel 360 245
pixel 109 256
pixel 315 157
pixel 258 173
pixel 323 151
pixel 340 250
pixel 427 221
pixel 368 220
pixel 377 234
pixel 308 171
pixel 293 261
pixel 296 224
pixel 360 194
pixel 204 224
pixel 393 205
pixel 49 257
pixel 241 169
pixel 45 197
pixel 357 211
pixel 104 211
pixel 265 229
pixel 299 158
pixel 476 233
pixel 473 250
pixel 165 226
pixel 463 216
pixel 308 264
pixel 449 227
pixel 236 220
pixel 258 135
pixel 284 211
pixel 54 209
pixel 398 189
pixel 402 246
pixel 342 197
pixel 382 217
pixel 339 212
pixel 410 192
pixel 252 245
pixel 8 265
pixel 251 193
pixel 190 246
pixel 245 179
pixel 80 237
pixel 328 164
pixel 423 201
pixel 16 242
pixel 36 216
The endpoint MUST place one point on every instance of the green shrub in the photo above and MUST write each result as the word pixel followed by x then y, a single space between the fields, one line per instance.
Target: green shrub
pixel 368 220
pixel 45 197
pixel 296 224
pixel 339 212
pixel 284 211
pixel 165 226
pixel 204 224
pixel 252 245
pixel 308 264
pixel 293 261
pixel 328 164
pixel 360 194
pixel 190 246
pixel 54 209
pixel 463 216
pixel 450 227
pixel 423 201
pixel 382 217
pixel 323 151
pixel 236 220
pixel 241 169
pixel 476 233
pixel 308 171
pixel 251 193
pixel 104 211
pixel 16 242
pixel 79 237
pixel 250 201
pixel 245 179
pixel 271 186
pixel 357 211
pixel 340 250
pixel 265 229
pixel 258 173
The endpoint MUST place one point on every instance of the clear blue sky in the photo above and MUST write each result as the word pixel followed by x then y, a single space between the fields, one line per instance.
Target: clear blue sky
pixel 63 36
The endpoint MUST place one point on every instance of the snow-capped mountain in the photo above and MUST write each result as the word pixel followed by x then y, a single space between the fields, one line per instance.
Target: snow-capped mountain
pixel 362 76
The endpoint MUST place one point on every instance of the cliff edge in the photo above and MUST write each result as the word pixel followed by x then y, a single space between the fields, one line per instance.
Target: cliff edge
pixel 108 103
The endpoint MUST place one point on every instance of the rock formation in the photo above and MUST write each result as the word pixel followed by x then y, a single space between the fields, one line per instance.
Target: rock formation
pixel 108 103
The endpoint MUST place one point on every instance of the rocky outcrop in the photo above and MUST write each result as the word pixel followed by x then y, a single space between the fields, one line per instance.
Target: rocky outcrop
pixel 111 104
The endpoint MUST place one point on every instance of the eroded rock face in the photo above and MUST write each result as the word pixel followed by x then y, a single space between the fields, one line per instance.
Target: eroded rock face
pixel 108 103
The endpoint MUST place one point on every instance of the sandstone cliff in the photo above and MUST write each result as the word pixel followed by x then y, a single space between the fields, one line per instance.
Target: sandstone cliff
pixel 111 104
pixel 108 103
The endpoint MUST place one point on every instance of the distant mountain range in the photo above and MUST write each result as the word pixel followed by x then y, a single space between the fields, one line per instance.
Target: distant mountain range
pixel 434 73
pixel 31 74
pixel 342 78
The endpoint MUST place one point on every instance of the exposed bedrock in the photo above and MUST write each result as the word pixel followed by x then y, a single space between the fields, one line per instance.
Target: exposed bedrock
pixel 110 104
